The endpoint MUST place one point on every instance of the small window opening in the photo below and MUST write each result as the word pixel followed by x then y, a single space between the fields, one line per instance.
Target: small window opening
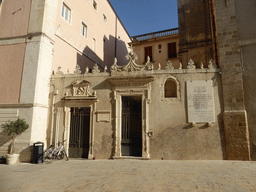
pixel 84 29
pixel 172 52
pixel 170 88
pixel 66 12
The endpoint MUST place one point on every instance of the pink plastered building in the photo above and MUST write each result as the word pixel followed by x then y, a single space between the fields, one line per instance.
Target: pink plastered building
pixel 39 38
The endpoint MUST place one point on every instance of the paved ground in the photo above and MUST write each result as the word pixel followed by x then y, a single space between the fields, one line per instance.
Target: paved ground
pixel 129 175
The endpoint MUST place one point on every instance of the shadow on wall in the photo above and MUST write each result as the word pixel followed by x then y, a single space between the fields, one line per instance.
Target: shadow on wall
pixel 112 47
pixel 4 138
pixel 25 154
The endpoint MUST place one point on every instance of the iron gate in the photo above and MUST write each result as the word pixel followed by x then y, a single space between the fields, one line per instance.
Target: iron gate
pixel 79 132
pixel 131 143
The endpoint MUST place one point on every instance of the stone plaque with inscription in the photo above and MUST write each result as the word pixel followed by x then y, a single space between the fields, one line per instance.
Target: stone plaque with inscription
pixel 103 116
pixel 200 101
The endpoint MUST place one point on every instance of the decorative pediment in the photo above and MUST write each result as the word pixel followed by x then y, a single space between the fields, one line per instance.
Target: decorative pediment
pixel 82 88
pixel 131 66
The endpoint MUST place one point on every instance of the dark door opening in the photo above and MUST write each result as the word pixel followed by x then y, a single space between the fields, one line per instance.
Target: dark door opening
pixel 79 132
pixel 131 143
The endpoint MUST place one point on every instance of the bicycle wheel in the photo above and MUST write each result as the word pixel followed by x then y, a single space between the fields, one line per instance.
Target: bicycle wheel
pixel 66 155
pixel 47 156
pixel 60 155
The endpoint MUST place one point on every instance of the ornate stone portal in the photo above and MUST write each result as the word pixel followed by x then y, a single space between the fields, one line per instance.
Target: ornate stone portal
pixel 81 97
pixel 125 83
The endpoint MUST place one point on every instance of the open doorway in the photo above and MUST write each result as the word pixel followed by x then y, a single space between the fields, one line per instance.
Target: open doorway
pixel 131 143
pixel 79 132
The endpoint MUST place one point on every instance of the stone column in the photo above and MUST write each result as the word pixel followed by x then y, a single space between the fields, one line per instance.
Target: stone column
pixel 234 116
pixel 38 65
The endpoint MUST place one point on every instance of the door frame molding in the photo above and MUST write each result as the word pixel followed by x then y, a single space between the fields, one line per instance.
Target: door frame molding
pixel 131 86
pixel 68 104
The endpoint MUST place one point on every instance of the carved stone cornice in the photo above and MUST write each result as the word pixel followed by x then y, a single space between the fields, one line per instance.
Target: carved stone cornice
pixel 131 80
pixel 91 98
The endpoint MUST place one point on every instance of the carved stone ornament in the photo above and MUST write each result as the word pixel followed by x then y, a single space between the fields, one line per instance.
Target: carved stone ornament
pixel 95 69
pixel 81 88
pixel 149 66
pixel 191 64
pixel 159 66
pixel 131 66
pixel 169 66
pixel 201 65
pixel 180 66
pixel 59 72
pixel 114 67
pixel 77 70
pixel 211 64
pixel 86 70
pixel 105 68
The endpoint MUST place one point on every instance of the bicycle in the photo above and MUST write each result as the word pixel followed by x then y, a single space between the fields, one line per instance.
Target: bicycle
pixel 55 153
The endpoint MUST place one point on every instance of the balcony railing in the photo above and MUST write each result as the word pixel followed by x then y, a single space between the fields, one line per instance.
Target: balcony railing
pixel 158 34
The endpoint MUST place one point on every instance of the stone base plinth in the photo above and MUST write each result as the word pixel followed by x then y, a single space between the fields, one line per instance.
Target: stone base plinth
pixel 237 135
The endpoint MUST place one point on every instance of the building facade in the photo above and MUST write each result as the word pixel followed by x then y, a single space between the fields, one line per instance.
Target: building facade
pixel 135 111
pixel 225 33
pixel 161 47
pixel 45 35
pixel 200 105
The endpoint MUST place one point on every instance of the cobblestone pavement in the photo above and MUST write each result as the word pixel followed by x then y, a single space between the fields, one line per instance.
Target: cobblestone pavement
pixel 129 176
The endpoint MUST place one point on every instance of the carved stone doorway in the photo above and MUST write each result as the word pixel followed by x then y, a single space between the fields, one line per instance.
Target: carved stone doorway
pixel 79 132
pixel 131 142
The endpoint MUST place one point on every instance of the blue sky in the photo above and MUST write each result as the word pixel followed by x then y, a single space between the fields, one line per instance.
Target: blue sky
pixel 146 16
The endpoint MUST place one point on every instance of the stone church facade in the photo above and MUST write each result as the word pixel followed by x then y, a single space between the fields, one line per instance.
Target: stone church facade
pixel 201 108
pixel 134 111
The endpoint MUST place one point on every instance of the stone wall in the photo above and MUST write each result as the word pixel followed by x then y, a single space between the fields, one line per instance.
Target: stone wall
pixel 195 31
pixel 245 15
pixel 166 131
pixel 235 116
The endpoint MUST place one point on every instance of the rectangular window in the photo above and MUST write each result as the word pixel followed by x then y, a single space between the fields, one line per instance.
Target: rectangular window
pixel 172 52
pixel 95 5
pixel 94 44
pixel 66 12
pixel 84 29
pixel 148 52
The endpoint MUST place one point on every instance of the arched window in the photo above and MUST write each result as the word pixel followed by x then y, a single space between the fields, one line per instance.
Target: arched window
pixel 170 88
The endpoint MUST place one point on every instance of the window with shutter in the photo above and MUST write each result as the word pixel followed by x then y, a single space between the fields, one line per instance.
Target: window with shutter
pixel 172 52
pixel 148 52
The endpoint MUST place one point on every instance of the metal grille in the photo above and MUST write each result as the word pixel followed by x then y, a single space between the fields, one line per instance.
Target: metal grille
pixel 79 120
pixel 126 133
